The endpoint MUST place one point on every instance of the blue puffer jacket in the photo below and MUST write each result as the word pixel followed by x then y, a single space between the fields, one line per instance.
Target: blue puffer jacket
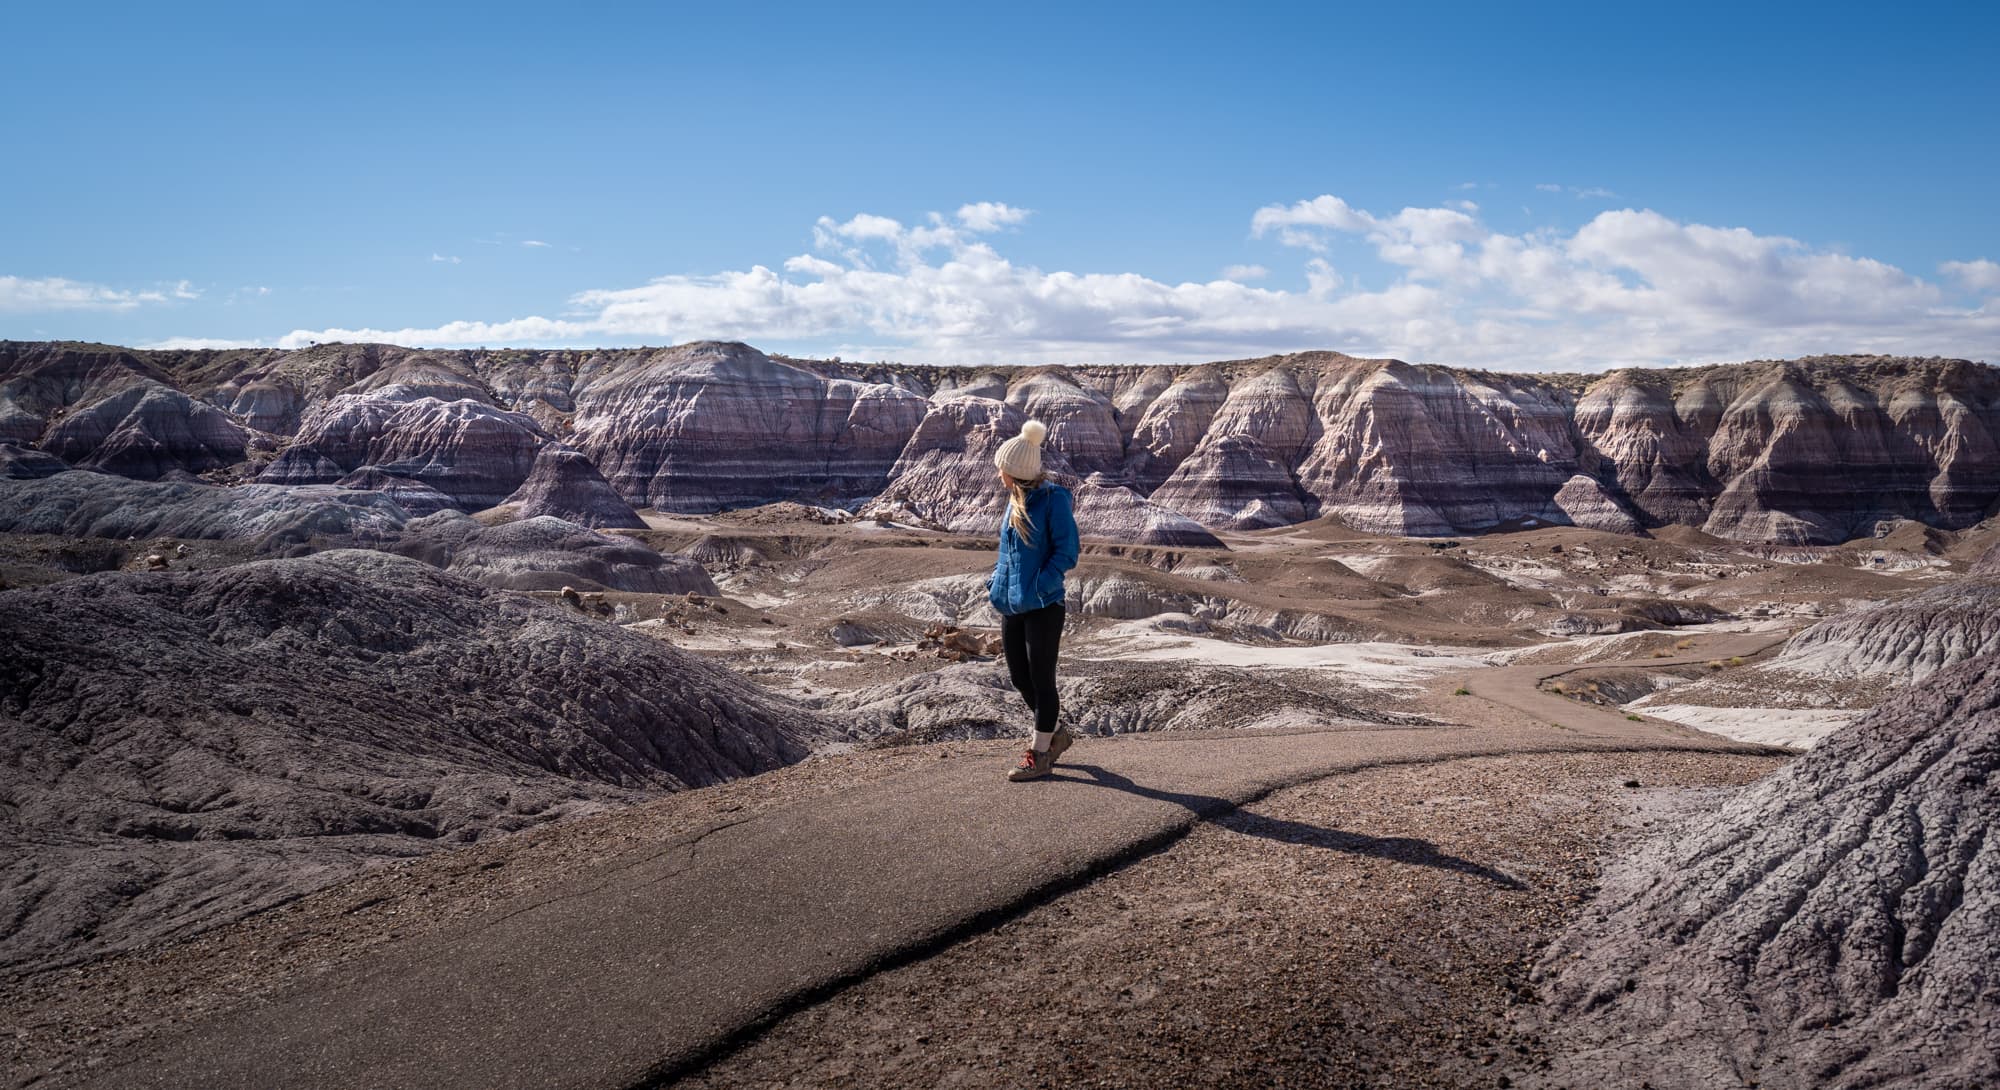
pixel 1029 576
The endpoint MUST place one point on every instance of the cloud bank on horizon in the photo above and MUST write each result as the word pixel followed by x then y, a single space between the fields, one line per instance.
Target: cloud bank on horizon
pixel 1628 287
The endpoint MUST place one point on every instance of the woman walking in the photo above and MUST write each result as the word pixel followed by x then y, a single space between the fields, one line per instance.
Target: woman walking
pixel 1038 543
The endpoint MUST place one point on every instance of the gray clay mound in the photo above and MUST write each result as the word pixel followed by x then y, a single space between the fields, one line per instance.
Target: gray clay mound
pixel 1835 925
pixel 565 485
pixel 182 749
pixel 1906 640
pixel 26 463
pixel 416 497
pixel 548 554
pixel 84 504
pixel 1989 563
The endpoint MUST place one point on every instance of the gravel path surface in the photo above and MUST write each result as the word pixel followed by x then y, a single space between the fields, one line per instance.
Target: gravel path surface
pixel 58 1021
pixel 1369 929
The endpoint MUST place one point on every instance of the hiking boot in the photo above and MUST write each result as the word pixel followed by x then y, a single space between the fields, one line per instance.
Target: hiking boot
pixel 1034 765
pixel 1060 744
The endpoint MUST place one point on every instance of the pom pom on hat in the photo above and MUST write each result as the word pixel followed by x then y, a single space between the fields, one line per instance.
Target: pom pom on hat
pixel 1021 456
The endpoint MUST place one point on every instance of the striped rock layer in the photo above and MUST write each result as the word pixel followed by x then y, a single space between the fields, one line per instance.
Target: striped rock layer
pixel 1804 451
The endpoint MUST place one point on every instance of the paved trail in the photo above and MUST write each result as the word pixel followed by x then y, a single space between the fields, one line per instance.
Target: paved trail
pixel 664 958
pixel 1519 687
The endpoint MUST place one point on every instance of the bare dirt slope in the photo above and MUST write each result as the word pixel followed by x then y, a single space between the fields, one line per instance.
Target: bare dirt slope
pixel 903 838
pixel 182 749
pixel 1359 640
pixel 1835 926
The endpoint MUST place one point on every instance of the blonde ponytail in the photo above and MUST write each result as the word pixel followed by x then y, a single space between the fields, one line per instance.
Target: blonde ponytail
pixel 1017 509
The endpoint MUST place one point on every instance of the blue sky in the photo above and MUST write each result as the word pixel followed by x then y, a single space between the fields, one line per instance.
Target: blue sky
pixel 1529 187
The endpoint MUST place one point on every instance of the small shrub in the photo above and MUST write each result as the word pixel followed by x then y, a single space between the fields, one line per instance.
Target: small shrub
pixel 1736 660
pixel 1715 664
pixel 1634 718
pixel 1683 644
pixel 1461 691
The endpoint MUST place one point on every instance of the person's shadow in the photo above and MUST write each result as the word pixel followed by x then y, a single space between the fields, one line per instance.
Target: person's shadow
pixel 1399 849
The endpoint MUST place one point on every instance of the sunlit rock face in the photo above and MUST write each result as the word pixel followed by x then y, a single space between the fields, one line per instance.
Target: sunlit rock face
pixel 1082 423
pixel 564 485
pixel 1584 501
pixel 1112 512
pixel 1423 450
pixel 708 426
pixel 1834 924
pixel 473 452
pixel 1630 421
pixel 1171 426
pixel 1806 451
pixel 1820 454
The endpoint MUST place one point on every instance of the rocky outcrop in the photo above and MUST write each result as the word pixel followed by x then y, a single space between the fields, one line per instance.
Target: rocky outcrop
pixel 547 553
pixel 416 497
pixel 147 431
pixel 565 485
pixel 1240 475
pixel 946 476
pixel 474 453
pixel 974 700
pixel 1112 512
pixel 1904 641
pixel 1082 424
pixel 1171 426
pixel 1989 563
pixel 21 463
pixel 1630 423
pixel 1809 451
pixel 85 504
pixel 1585 502
pixel 1834 925
pixel 1424 450
pixel 183 749
pixel 705 427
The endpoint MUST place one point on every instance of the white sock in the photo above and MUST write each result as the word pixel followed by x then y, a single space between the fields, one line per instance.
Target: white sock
pixel 1042 740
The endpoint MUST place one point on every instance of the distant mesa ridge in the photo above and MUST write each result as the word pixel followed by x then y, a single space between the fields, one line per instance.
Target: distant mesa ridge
pixel 1808 451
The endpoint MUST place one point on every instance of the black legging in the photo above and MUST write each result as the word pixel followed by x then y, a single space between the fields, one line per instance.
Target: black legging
pixel 1032 640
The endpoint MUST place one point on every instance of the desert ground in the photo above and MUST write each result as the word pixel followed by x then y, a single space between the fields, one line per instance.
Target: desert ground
pixel 1499 718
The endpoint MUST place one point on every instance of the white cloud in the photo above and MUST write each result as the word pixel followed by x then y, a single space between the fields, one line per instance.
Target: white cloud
pixel 534 242
pixel 989 216
pixel 1245 272
pixel 21 294
pixel 1980 276
pixel 1582 193
pixel 173 343
pixel 1628 287
pixel 517 331
pixel 440 257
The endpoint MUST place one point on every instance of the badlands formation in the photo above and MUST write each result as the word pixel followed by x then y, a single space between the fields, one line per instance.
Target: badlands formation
pixel 1814 451
pixel 1641 726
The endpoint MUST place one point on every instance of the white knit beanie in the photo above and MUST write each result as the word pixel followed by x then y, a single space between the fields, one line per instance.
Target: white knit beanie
pixel 1021 456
